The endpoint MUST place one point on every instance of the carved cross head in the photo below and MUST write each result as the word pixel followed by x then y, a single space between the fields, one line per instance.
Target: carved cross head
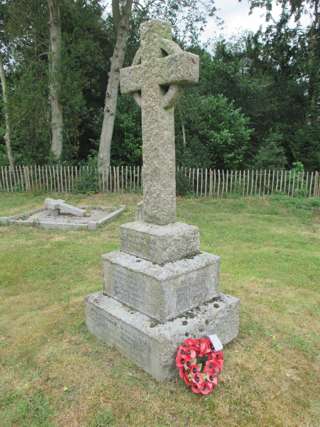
pixel 159 68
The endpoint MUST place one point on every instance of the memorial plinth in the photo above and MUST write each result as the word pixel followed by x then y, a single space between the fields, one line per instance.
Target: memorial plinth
pixel 160 243
pixel 152 345
pixel 162 292
pixel 159 288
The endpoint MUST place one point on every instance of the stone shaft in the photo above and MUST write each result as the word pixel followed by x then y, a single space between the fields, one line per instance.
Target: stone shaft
pixel 161 292
pixel 159 159
pixel 159 67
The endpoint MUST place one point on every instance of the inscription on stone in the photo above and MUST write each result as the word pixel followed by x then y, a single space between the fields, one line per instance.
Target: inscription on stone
pixel 127 287
pixel 188 296
pixel 134 343
pixel 139 243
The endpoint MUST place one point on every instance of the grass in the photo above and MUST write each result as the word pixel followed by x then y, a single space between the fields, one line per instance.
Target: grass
pixel 54 373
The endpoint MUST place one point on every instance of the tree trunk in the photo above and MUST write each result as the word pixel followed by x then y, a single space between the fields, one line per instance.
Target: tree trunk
pixel 54 79
pixel 7 135
pixel 184 139
pixel 314 82
pixel 121 21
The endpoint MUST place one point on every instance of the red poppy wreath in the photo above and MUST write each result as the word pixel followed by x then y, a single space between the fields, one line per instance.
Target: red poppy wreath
pixel 199 364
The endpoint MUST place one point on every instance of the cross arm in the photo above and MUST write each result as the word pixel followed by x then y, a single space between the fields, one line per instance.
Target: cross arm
pixel 180 68
pixel 131 79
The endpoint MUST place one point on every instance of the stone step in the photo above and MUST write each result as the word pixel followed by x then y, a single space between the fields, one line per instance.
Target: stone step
pixel 153 346
pixel 161 292
pixel 160 243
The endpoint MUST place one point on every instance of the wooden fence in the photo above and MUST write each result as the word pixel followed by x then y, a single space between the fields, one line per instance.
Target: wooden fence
pixel 200 182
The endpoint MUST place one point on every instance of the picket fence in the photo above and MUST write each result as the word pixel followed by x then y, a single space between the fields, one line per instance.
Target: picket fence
pixel 201 182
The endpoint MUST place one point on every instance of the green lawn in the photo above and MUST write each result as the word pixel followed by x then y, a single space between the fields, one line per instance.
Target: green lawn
pixel 54 373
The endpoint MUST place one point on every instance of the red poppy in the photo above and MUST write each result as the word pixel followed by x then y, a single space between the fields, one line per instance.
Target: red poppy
pixel 206 388
pixel 205 346
pixel 195 389
pixel 184 356
pixel 212 379
pixel 202 377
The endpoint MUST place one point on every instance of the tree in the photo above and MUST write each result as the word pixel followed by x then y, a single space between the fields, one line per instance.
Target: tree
pixel 4 47
pixel 85 52
pixel 55 79
pixel 7 135
pixel 271 154
pixel 217 133
pixel 121 15
pixel 189 14
pixel 296 9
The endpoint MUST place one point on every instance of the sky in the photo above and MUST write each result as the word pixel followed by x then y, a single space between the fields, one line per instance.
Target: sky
pixel 237 19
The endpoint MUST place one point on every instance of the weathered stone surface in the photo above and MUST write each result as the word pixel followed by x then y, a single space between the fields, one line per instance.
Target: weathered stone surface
pixel 41 218
pixel 153 346
pixel 157 291
pixel 52 204
pixel 161 292
pixel 4 220
pixel 63 208
pixel 160 243
pixel 139 212
pixel 159 68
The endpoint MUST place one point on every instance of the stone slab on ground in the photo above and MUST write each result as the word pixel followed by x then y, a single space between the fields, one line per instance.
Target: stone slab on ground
pixel 161 292
pixel 61 207
pixel 45 219
pixel 160 243
pixel 152 345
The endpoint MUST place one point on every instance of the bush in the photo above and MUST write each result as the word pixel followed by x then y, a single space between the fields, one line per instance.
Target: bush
pixel 217 133
pixel 88 181
pixel 182 184
pixel 271 154
pixel 3 156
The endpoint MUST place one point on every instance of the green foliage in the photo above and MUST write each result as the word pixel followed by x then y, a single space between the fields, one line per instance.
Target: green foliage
pixel 306 145
pixel 257 102
pixel 271 154
pixel 183 186
pixel 127 139
pixel 298 167
pixel 298 180
pixel 88 181
pixel 3 156
pixel 217 133
pixel 26 410
pixel 28 108
pixel 87 47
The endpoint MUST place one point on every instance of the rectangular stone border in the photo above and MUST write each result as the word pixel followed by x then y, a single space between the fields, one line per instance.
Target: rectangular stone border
pixel 152 346
pixel 91 225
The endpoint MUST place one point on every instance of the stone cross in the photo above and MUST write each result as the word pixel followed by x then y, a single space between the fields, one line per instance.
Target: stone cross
pixel 159 69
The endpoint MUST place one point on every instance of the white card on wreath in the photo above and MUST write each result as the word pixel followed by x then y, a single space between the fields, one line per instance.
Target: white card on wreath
pixel 217 344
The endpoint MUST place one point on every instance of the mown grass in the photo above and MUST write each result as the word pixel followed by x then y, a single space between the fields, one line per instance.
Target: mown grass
pixel 54 373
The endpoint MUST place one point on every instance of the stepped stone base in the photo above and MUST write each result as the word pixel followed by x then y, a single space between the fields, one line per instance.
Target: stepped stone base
pixel 160 243
pixel 161 292
pixel 152 345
